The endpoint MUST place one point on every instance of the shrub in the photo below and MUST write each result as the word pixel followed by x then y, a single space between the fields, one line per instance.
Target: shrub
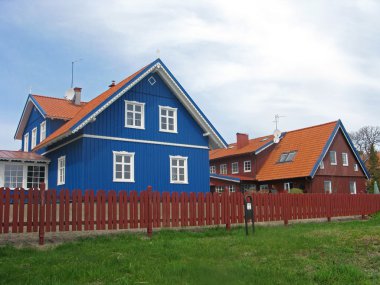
pixel 296 191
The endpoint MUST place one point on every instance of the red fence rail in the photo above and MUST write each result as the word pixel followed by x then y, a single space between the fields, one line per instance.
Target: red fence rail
pixel 40 210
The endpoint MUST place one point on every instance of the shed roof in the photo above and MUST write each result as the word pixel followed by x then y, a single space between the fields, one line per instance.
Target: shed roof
pixel 10 155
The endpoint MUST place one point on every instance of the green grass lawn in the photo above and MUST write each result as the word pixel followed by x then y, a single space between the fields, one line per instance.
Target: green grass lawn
pixel 326 253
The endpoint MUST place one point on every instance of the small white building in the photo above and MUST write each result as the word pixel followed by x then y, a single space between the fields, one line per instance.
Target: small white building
pixel 22 169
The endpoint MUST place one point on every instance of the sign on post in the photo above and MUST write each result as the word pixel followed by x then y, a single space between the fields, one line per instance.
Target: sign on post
pixel 249 213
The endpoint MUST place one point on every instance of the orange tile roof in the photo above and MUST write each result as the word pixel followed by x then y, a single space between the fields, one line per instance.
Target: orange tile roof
pixel 309 144
pixel 253 145
pixel 85 110
pixel 58 108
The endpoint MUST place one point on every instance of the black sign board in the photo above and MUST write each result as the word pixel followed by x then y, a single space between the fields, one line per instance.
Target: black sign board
pixel 249 212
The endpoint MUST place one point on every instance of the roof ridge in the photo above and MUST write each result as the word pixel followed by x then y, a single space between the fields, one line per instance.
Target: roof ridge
pixel 55 98
pixel 311 127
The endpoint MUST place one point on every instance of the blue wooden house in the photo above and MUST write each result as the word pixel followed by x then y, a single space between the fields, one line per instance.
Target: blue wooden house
pixel 145 130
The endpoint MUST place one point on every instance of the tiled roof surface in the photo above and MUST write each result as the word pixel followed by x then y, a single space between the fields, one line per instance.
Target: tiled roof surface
pixel 309 144
pixel 21 155
pixel 253 145
pixel 86 109
pixel 58 108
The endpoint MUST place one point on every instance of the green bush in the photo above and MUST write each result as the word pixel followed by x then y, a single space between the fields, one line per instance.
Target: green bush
pixel 296 191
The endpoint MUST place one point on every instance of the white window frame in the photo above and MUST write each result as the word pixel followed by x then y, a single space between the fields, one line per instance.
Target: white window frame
pixel 345 158
pixel 223 169
pixel 134 112
pixel 264 187
pixel 287 186
pixel 212 169
pixel 330 153
pixel 33 143
pixel 219 189
pixel 329 190
pixel 175 130
pixel 131 155
pixel 354 188
pixel 322 165
pixel 235 167
pixel 231 188
pixel 61 170
pixel 356 167
pixel 42 131
pixel 12 175
pixel 246 164
pixel 185 167
pixel 26 142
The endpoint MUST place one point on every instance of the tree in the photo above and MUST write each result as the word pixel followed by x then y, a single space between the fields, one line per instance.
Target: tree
pixel 373 168
pixel 365 138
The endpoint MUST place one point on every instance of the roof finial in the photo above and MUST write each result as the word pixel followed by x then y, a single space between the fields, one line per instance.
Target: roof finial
pixel 158 53
pixel 30 89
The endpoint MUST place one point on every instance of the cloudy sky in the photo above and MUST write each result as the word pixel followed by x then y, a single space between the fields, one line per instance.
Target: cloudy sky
pixel 241 61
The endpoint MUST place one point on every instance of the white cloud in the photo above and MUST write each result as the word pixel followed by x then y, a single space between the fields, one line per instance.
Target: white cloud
pixel 242 61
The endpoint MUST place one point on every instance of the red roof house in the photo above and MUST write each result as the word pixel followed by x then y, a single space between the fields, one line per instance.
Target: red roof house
pixel 316 159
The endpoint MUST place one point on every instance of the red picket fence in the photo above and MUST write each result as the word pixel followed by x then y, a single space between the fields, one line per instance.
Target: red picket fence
pixel 46 211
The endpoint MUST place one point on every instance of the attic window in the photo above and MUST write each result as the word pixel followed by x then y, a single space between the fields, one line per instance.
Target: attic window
pixel 287 156
pixel 151 80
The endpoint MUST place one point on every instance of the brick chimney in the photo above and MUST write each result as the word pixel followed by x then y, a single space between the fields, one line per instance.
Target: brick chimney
pixel 77 95
pixel 241 140
pixel 112 84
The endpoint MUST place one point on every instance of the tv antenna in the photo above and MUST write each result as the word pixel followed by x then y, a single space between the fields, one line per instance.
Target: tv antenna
pixel 72 71
pixel 277 120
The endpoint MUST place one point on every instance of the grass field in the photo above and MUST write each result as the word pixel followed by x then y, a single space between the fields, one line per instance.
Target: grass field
pixel 326 253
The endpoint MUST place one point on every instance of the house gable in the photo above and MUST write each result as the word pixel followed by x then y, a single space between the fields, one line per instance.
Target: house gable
pixel 30 105
pixel 111 122
pixel 340 139
pixel 96 106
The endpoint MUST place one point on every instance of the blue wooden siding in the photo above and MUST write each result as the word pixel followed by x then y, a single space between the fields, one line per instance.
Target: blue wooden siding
pixel 34 120
pixel 74 166
pixel 111 121
pixel 89 165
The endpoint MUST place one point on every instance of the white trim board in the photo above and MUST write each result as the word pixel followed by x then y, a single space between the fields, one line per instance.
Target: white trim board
pixel 144 141
pixel 125 140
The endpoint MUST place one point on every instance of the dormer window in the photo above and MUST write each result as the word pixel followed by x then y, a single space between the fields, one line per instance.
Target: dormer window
pixel 34 138
pixel 42 131
pixel 26 142
pixel 134 115
pixel 287 156
pixel 168 119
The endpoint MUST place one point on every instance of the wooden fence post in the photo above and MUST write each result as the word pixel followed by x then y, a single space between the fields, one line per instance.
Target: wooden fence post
pixel 148 208
pixel 42 214
pixel 227 200
pixel 285 206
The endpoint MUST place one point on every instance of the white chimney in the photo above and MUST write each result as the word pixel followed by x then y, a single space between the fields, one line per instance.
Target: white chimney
pixel 77 95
